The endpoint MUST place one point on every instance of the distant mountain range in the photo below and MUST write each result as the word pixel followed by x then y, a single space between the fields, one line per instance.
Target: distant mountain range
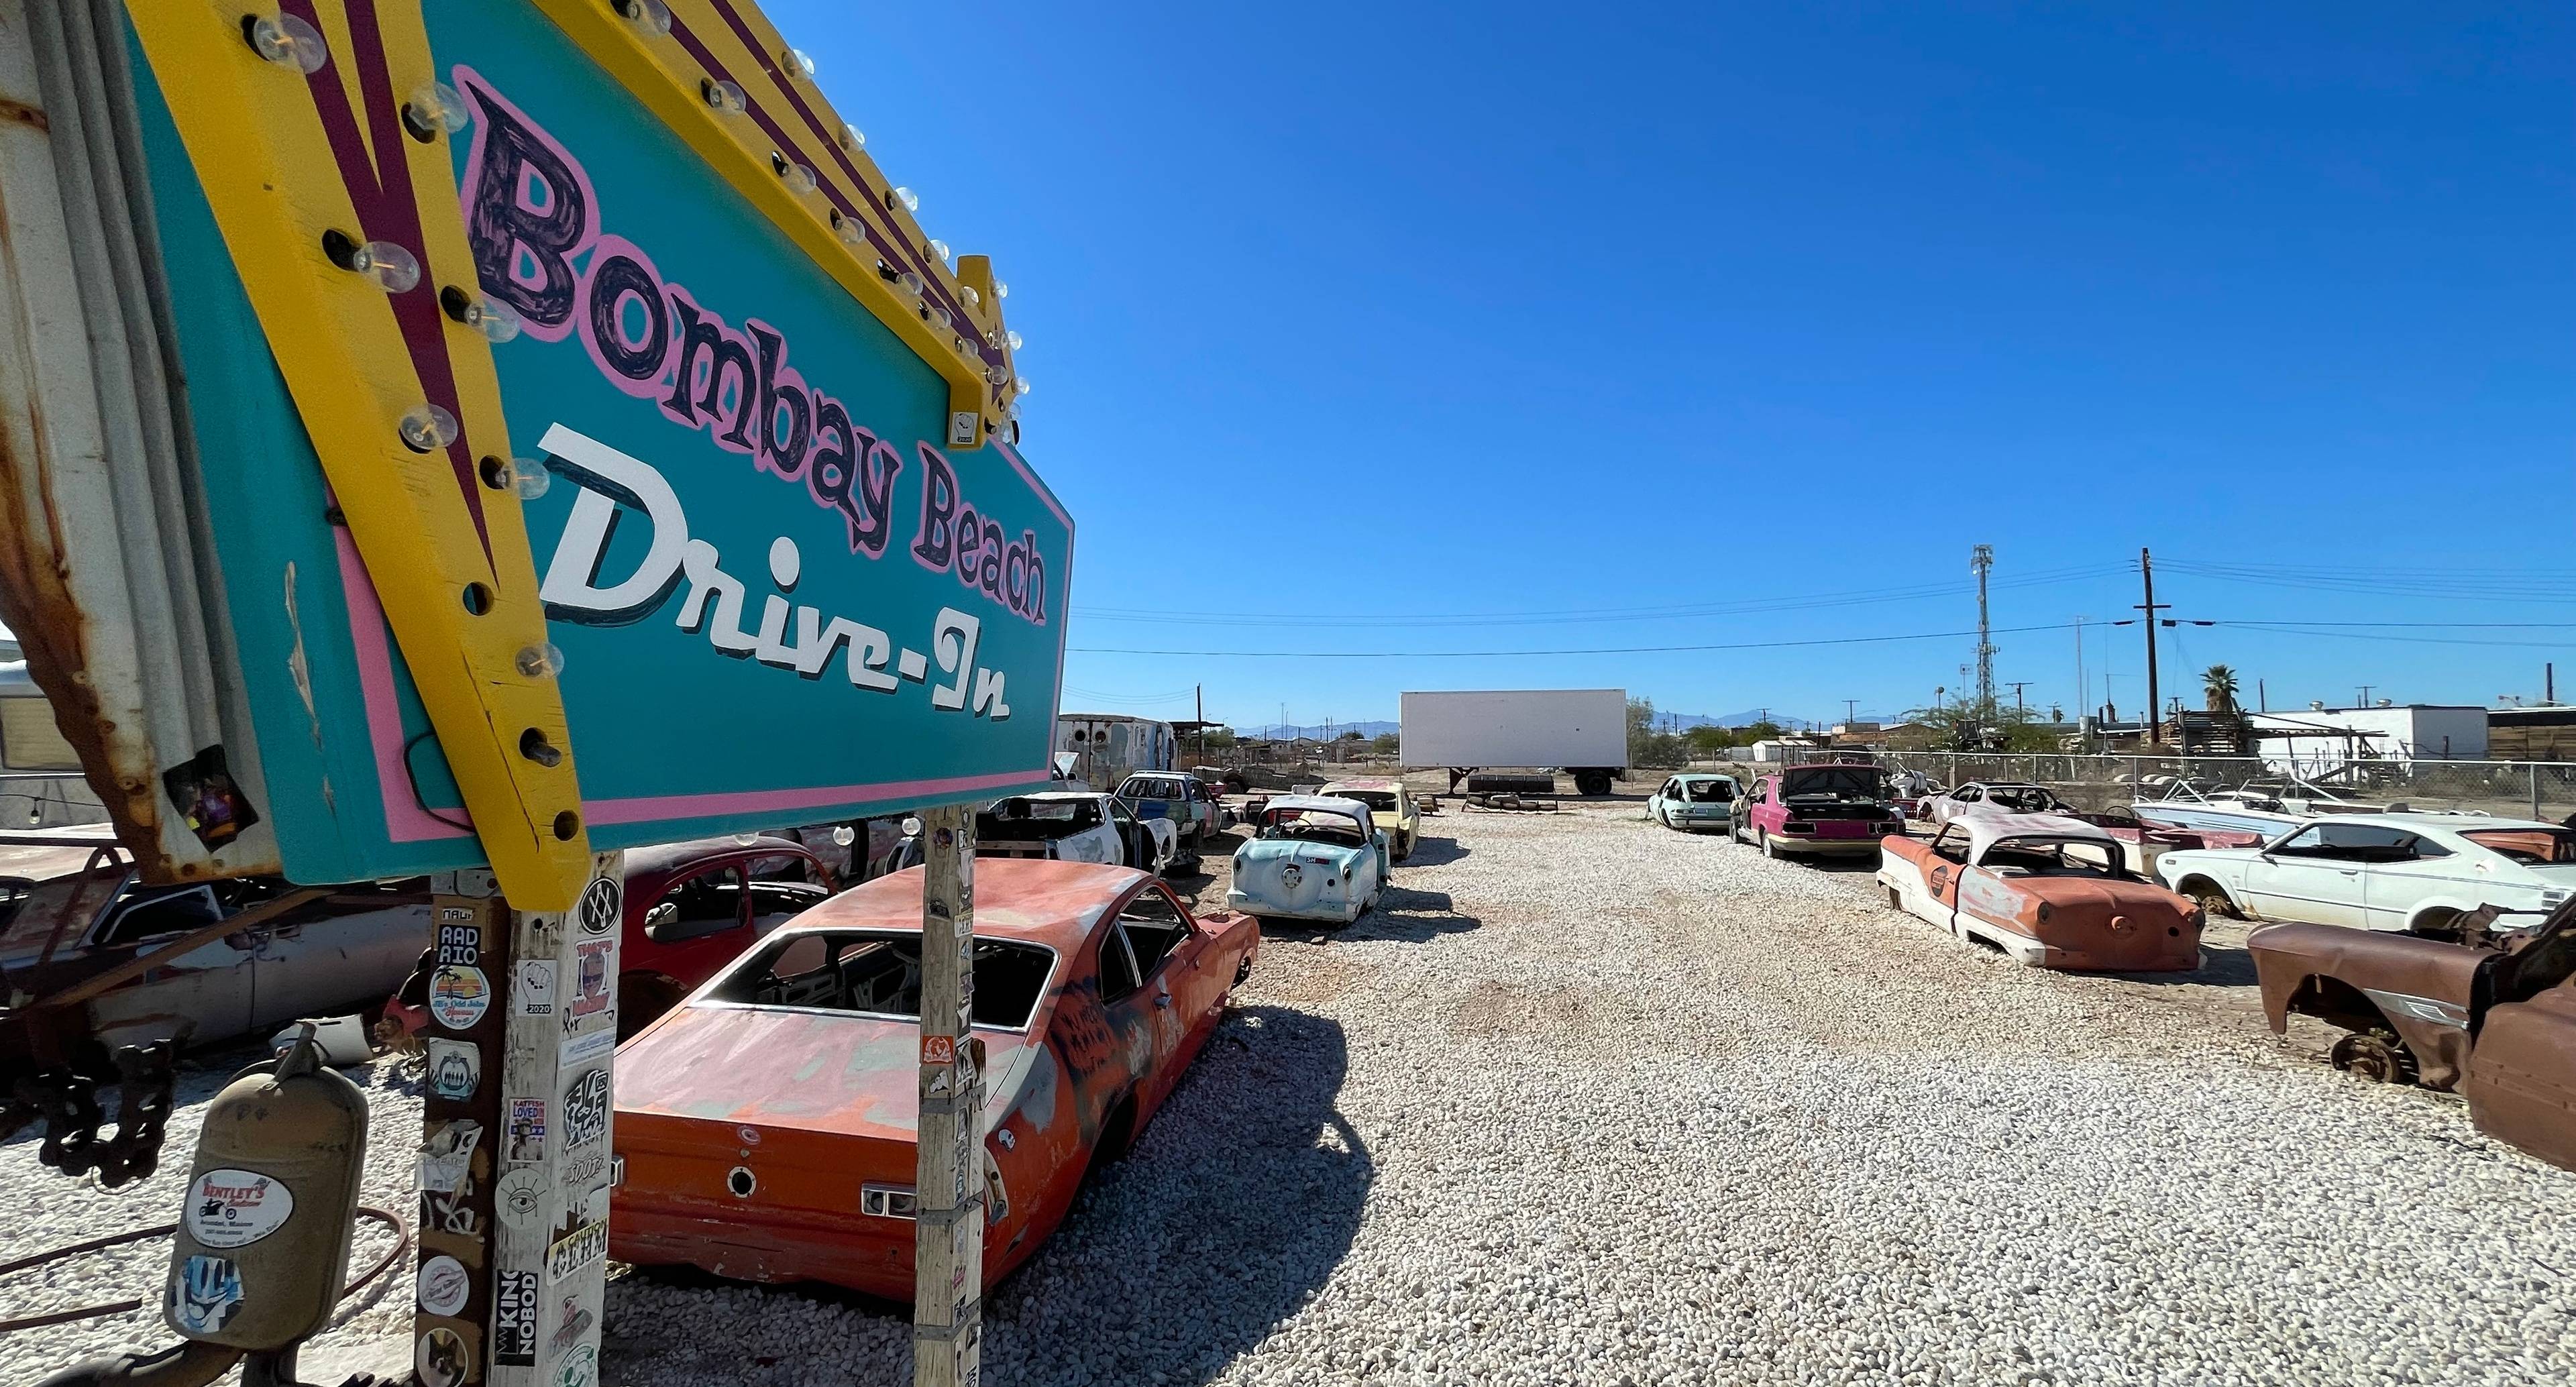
pixel 1319 731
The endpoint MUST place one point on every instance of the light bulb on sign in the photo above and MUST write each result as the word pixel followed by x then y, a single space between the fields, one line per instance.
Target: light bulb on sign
pixel 939 250
pixel 529 478
pixel 436 106
pixel 799 178
pixel 973 299
pixel 911 200
pixel 497 321
pixel 843 835
pixel 724 96
pixel 909 282
pixel 426 428
pixel 851 232
pixel 540 661
pixel 852 137
pixel 651 16
pixel 393 268
pixel 288 42
pixel 1020 387
pixel 799 60
pixel 940 317
pixel 997 375
pixel 1001 290
pixel 1013 338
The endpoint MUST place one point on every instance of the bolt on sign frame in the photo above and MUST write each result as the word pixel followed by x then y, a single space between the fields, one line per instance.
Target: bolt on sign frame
pixel 781 570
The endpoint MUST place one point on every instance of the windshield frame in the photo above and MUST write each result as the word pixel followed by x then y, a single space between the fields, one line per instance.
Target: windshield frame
pixel 779 941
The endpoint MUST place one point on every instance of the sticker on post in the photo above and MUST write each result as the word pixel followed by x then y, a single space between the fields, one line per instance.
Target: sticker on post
pixel 569 1329
pixel 440 1358
pixel 455 1068
pixel 593 962
pixel 587 1046
pixel 599 907
pixel 526 1131
pixel 460 946
pixel 442 1286
pixel 230 1208
pixel 577 1251
pixel 204 1296
pixel 458 996
pixel 580 1367
pixel 514 1319
pixel 939 1049
pixel 585 1108
pixel 533 990
pixel 520 1198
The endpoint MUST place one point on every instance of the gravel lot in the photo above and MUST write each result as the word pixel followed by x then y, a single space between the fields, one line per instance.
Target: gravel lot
pixel 1593 1102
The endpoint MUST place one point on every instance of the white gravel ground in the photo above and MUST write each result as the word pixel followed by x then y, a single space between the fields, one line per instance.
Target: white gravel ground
pixel 1597 1103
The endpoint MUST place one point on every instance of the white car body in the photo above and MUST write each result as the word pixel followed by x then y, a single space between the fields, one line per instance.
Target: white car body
pixel 1991 796
pixel 2395 872
pixel 1696 801
pixel 1103 841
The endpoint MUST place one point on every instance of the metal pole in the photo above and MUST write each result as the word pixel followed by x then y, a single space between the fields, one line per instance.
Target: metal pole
pixel 2535 789
pixel 515 1163
pixel 2155 707
pixel 948 1180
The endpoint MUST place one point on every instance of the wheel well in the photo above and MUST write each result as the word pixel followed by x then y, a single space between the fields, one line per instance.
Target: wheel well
pixel 2338 1003
pixel 2439 920
pixel 2184 887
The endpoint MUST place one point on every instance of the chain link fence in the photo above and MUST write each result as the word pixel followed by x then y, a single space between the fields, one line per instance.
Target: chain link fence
pixel 2533 789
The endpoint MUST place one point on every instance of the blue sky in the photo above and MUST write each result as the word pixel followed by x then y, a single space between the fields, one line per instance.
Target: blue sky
pixel 1425 328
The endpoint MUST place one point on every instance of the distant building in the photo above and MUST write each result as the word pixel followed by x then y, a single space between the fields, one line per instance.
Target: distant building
pixel 2322 738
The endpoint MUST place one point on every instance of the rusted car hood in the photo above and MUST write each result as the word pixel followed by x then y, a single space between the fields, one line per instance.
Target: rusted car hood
pixel 2411 975
pixel 778 1067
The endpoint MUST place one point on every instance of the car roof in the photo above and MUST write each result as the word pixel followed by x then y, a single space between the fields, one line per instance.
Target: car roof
pixel 1702 775
pixel 1373 782
pixel 1999 785
pixel 664 858
pixel 1327 803
pixel 1986 830
pixel 2454 823
pixel 1034 899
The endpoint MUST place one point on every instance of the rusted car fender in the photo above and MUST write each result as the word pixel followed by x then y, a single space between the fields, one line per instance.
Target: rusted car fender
pixel 2420 988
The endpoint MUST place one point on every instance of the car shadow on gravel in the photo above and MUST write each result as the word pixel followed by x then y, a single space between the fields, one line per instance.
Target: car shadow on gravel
pixel 1233 1210
pixel 1433 852
pixel 2221 965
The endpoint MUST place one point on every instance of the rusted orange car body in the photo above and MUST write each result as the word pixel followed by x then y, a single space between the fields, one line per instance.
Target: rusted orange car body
pixel 2050 891
pixel 768 1122
pixel 2496 1023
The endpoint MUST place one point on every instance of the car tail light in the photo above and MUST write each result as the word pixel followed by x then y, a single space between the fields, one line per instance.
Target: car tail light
pixel 887 1201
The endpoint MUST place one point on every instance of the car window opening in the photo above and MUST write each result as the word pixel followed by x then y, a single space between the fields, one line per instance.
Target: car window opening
pixel 1023 820
pixel 1154 928
pixel 1374 799
pixel 2042 858
pixel 878 973
pixel 708 903
pixel 2531 847
pixel 1314 828
pixel 1707 791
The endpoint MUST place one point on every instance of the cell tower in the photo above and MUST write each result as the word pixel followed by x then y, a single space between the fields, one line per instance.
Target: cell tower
pixel 1982 560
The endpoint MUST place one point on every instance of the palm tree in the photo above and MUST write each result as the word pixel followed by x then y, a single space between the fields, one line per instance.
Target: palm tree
pixel 2218 682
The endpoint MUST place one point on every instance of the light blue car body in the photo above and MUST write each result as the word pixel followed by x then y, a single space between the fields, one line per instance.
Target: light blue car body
pixel 1685 802
pixel 1332 869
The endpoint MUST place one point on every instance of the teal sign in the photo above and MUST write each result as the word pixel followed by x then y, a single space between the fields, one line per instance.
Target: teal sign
pixel 779 598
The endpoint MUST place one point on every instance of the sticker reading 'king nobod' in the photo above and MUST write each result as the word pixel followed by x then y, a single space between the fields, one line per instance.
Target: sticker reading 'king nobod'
pixel 514 1319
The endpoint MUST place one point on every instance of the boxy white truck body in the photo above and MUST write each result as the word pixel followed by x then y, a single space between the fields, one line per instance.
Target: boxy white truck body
pixel 1581 731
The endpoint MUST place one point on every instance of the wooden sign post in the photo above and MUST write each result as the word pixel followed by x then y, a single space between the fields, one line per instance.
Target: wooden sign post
pixel 948 1232
pixel 515 1164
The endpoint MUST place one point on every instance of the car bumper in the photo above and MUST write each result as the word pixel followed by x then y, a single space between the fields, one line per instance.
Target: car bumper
pixel 1708 825
pixel 1336 912
pixel 1825 847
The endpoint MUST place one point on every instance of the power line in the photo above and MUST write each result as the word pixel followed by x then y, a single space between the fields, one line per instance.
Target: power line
pixel 1589 650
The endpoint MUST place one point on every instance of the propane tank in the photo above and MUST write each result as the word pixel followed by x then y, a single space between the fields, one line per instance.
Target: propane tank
pixel 263 1241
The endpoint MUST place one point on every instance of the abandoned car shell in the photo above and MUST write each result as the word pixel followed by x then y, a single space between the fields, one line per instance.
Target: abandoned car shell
pixel 1390 807
pixel 1992 796
pixel 768 1124
pixel 1312 857
pixel 1694 802
pixel 1824 810
pixel 2419 873
pixel 2048 890
pixel 2497 1025
pixel 1075 826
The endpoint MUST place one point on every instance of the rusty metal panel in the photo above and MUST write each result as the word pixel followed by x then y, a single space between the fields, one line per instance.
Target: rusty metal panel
pixel 106 586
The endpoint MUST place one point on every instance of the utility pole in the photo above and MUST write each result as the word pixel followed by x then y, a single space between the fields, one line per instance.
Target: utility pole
pixel 2155 707
pixel 1198 697
pixel 1982 559
pixel 948 1175
pixel 2365 695
pixel 2083 690
pixel 2017 686
pixel 2262 699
